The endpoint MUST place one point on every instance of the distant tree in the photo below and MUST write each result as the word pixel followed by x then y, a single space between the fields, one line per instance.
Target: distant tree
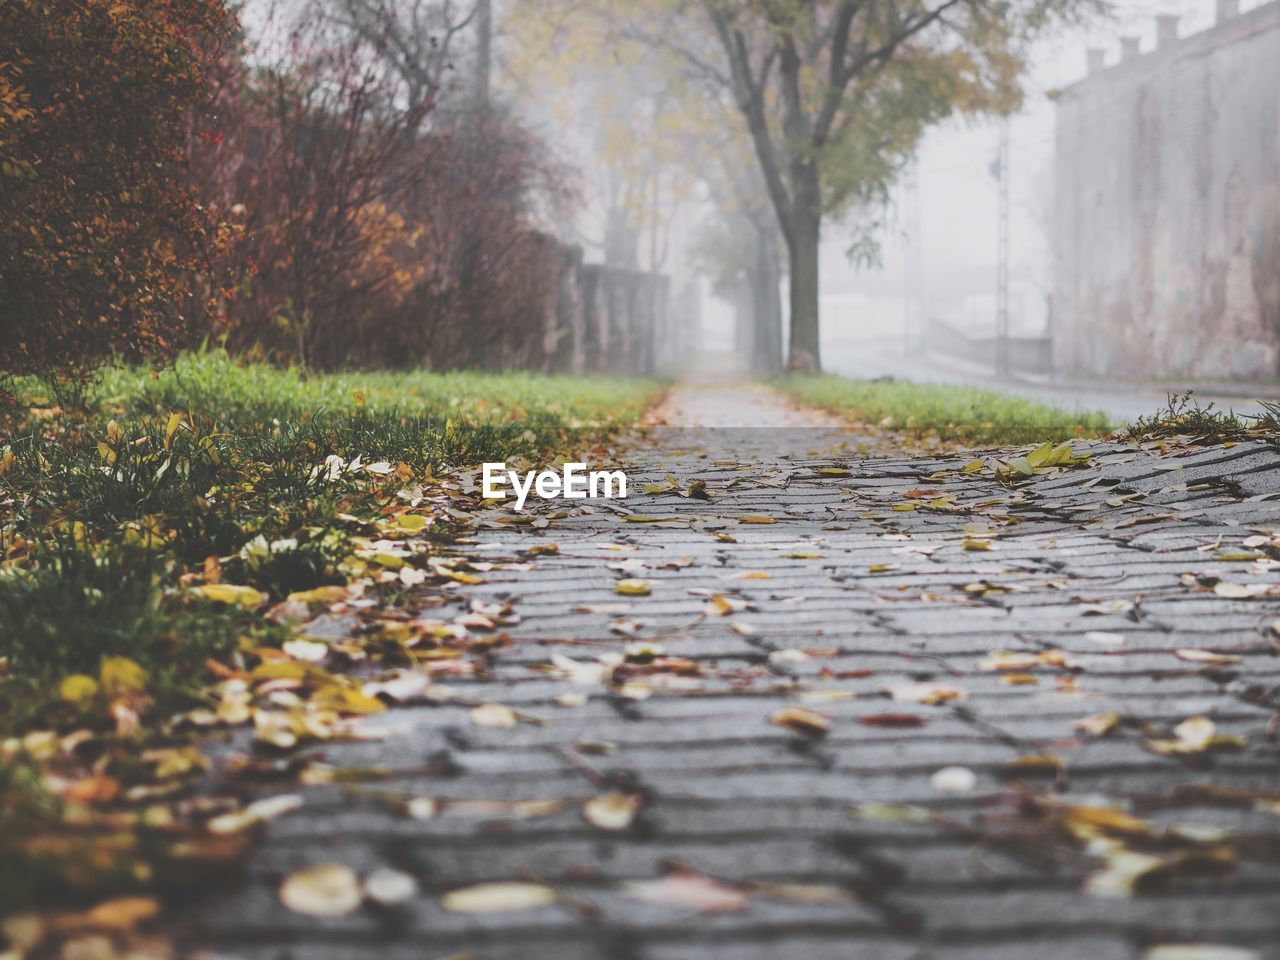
pixel 101 234
pixel 835 94
pixel 386 221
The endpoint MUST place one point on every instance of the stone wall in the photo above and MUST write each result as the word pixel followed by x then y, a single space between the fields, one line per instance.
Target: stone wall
pixel 1167 214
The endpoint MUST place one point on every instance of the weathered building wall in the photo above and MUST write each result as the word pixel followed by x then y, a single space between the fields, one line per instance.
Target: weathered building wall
pixel 600 319
pixel 1167 214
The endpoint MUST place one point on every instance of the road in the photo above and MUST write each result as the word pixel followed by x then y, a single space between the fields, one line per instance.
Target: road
pixel 1124 402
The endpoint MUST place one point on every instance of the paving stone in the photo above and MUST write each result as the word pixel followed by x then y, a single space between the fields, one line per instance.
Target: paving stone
pixel 926 871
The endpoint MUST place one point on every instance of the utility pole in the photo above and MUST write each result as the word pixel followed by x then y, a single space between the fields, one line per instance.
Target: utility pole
pixel 913 285
pixel 484 51
pixel 1002 268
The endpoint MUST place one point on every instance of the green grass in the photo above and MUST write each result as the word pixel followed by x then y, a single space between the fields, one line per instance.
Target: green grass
pixel 105 508
pixel 1184 418
pixel 954 413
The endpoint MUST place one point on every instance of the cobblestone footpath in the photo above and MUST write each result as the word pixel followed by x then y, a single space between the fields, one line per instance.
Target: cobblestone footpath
pixel 850 706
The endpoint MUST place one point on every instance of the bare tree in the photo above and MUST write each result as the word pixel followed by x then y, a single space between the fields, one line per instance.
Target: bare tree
pixel 416 39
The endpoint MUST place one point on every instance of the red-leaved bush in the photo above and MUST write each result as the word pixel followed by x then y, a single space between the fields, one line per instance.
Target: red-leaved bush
pixel 101 234
pixel 379 230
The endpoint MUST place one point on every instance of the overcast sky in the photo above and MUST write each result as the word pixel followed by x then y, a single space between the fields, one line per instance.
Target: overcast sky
pixel 958 196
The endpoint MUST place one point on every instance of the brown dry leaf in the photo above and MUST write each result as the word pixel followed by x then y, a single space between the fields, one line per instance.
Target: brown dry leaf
pixel 499 897
pixel 930 693
pixel 328 890
pixel 1098 724
pixel 122 914
pixel 1001 660
pixel 756 518
pixel 1044 764
pixel 614 810
pixel 893 720
pixel 690 890
pixel 800 720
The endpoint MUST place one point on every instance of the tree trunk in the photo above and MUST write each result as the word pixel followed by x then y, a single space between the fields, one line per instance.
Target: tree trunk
pixel 767 299
pixel 802 248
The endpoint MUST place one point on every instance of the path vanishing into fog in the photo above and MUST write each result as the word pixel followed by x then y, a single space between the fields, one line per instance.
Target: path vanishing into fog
pixel 802 697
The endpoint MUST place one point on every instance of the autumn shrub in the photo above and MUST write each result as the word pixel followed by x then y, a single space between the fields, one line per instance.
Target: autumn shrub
pixel 380 228
pixel 102 235
pixel 487 273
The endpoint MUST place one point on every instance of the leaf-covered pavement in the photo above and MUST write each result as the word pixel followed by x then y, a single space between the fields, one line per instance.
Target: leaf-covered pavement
pixel 800 695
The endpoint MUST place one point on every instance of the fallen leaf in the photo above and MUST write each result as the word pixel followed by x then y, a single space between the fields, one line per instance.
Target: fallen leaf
pixel 634 587
pixel 689 890
pixel 123 913
pixel 893 720
pixel 930 693
pixel 77 688
pixel 1099 724
pixel 421 808
pixel 121 675
pixel 803 721
pixel 390 888
pixel 954 780
pixel 231 594
pixel 1207 656
pixel 499 897
pixel 614 810
pixel 328 890
pixel 493 715
pixel 257 812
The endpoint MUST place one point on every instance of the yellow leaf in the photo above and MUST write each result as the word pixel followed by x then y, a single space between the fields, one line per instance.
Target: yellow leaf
pixel 319 595
pixel 411 522
pixel 231 594
pixel 634 588
pixel 171 427
pixel 756 518
pixel 78 688
pixel 121 675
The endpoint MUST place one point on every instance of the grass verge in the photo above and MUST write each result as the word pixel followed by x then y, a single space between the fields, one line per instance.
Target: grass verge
pixel 951 413
pixel 162 538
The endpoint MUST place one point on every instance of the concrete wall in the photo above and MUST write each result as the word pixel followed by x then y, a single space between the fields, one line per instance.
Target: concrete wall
pixel 1167 214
